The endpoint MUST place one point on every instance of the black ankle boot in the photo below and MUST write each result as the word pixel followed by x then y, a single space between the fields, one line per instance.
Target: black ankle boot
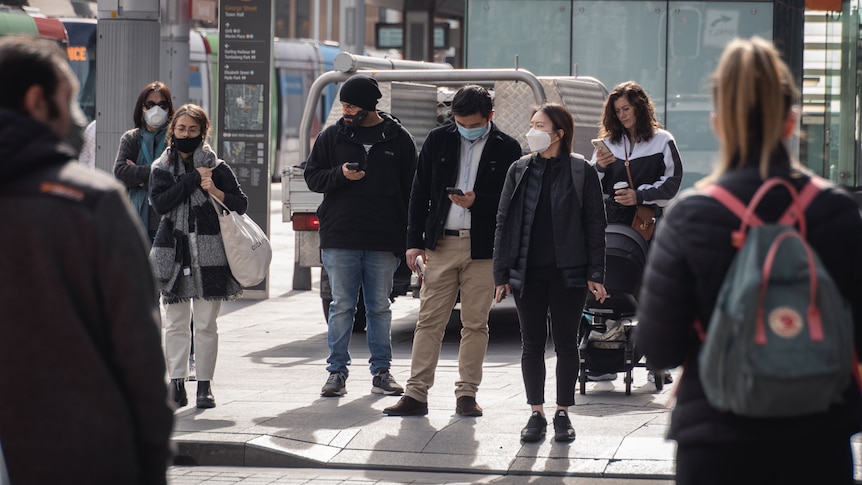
pixel 205 395
pixel 178 392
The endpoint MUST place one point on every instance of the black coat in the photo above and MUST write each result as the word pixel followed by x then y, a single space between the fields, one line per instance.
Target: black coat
pixel 438 169
pixel 688 258
pixel 371 213
pixel 579 232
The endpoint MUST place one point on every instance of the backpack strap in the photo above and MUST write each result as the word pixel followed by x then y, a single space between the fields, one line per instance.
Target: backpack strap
pixel 793 215
pixel 815 325
pixel 577 162
pixel 730 201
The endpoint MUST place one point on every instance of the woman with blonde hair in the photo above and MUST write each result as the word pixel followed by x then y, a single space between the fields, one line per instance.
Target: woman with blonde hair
pixel 755 115
pixel 188 253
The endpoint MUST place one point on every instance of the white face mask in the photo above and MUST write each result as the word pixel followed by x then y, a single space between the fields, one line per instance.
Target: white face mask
pixel 538 141
pixel 155 117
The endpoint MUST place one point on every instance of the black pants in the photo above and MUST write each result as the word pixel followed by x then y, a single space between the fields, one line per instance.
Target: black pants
pixel 766 462
pixel 544 291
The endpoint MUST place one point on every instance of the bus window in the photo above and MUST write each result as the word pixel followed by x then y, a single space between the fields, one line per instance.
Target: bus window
pixel 296 67
pixel 82 59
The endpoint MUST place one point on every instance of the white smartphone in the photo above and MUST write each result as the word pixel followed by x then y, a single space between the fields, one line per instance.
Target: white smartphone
pixel 599 145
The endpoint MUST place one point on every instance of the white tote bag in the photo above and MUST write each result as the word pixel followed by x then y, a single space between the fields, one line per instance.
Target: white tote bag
pixel 245 244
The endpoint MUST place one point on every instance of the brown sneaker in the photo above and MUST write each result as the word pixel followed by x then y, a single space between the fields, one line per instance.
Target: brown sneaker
pixel 407 406
pixel 467 406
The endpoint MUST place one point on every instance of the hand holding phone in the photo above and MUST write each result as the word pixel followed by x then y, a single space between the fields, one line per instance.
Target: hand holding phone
pixel 599 144
pixel 420 265
pixel 454 191
pixel 501 294
pixel 353 166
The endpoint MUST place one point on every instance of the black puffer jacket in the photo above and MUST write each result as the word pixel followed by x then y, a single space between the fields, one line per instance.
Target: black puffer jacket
pixel 438 169
pixel 690 254
pixel 579 232
pixel 371 213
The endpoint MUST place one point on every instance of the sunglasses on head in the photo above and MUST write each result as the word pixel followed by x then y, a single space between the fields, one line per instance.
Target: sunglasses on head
pixel 161 104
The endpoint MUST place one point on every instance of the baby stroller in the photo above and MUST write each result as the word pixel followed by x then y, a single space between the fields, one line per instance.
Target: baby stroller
pixel 606 344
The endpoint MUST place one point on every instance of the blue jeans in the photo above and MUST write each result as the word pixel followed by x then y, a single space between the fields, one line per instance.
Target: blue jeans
pixel 349 269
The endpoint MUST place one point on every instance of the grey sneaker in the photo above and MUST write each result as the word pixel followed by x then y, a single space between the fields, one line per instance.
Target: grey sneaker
pixel 336 385
pixel 384 383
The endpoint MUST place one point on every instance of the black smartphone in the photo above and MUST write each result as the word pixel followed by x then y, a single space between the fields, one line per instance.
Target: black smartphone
pixel 353 166
pixel 454 191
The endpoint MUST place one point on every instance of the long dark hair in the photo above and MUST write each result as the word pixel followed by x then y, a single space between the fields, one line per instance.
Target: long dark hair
pixel 153 87
pixel 645 121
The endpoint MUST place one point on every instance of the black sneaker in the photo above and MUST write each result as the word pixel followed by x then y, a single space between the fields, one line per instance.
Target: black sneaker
pixel 336 385
pixel 563 430
pixel 667 378
pixel 535 429
pixel 384 383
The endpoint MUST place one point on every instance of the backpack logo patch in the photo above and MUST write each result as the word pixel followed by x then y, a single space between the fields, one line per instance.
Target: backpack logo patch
pixel 785 322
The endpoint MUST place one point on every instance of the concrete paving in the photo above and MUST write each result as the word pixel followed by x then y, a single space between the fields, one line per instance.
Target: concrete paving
pixel 269 412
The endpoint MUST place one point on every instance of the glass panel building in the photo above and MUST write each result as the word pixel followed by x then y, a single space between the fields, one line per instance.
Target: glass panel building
pixel 672 47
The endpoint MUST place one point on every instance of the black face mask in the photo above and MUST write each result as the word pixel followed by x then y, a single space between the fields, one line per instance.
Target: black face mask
pixel 188 145
pixel 357 119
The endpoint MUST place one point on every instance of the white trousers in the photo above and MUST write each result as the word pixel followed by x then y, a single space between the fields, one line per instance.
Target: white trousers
pixel 178 338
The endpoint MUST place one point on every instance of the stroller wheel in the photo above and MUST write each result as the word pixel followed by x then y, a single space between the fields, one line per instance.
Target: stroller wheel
pixel 628 380
pixel 582 379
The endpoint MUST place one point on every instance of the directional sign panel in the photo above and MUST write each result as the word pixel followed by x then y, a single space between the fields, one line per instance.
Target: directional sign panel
pixel 245 66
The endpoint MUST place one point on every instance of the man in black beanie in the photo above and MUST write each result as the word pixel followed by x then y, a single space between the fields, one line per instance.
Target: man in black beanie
pixel 364 166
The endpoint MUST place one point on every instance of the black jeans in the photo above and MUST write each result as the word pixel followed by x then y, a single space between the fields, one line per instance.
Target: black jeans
pixel 546 291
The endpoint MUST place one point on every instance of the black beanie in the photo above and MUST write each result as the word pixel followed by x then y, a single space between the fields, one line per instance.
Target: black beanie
pixel 361 91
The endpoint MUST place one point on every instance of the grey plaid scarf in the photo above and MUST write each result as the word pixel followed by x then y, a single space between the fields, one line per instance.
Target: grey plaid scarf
pixel 188 255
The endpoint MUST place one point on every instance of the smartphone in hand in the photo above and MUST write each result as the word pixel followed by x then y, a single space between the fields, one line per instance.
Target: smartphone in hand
pixel 599 144
pixel 353 166
pixel 501 295
pixel 454 191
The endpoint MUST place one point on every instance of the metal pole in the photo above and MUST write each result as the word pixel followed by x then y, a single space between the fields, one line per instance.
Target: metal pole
pixel 418 75
pixel 347 62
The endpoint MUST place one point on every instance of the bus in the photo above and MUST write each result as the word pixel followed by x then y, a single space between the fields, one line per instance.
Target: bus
pixel 81 53
pixel 19 22
pixel 296 64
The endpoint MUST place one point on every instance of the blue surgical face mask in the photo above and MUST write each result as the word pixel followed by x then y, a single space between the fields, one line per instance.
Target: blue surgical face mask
pixel 472 133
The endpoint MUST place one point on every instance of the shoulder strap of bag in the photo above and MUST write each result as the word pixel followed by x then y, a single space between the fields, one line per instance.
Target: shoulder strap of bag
pixel 628 170
pixel 223 209
pixel 578 176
